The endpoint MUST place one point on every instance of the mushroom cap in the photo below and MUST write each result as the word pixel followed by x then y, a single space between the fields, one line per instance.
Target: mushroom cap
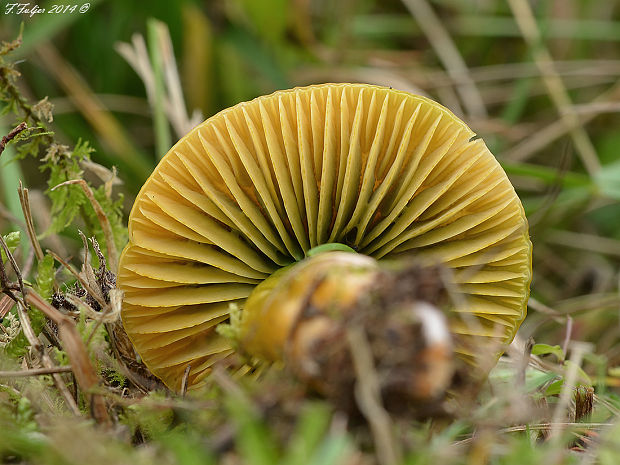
pixel 253 188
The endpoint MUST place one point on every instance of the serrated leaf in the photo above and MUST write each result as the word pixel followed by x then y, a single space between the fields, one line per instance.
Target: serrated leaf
pixel 66 204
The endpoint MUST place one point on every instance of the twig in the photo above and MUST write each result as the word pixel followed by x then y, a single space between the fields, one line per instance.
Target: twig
pixel 12 135
pixel 559 96
pixel 3 276
pixel 24 199
pixel 5 285
pixel 35 372
pixel 449 55
pixel 6 304
pixel 368 395
pixel 184 380
pixel 103 220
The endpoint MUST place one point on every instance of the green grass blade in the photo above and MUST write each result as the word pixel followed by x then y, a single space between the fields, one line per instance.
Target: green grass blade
pixel 163 138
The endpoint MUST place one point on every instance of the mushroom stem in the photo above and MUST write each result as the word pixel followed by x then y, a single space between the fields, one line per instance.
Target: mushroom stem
pixel 301 316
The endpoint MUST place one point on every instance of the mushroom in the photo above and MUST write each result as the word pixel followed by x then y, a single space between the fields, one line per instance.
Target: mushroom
pixel 254 188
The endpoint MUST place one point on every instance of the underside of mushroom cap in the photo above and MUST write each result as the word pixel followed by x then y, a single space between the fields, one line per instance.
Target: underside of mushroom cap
pixel 256 186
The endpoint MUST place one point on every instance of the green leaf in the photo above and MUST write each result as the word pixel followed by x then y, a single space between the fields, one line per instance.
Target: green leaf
pixel 546 349
pixel 45 277
pixel 535 379
pixel 63 166
pixel 549 176
pixel 12 241
pixel 555 388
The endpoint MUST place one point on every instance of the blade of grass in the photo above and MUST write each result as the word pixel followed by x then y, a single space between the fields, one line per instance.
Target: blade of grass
pixel 160 121
pixel 547 175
